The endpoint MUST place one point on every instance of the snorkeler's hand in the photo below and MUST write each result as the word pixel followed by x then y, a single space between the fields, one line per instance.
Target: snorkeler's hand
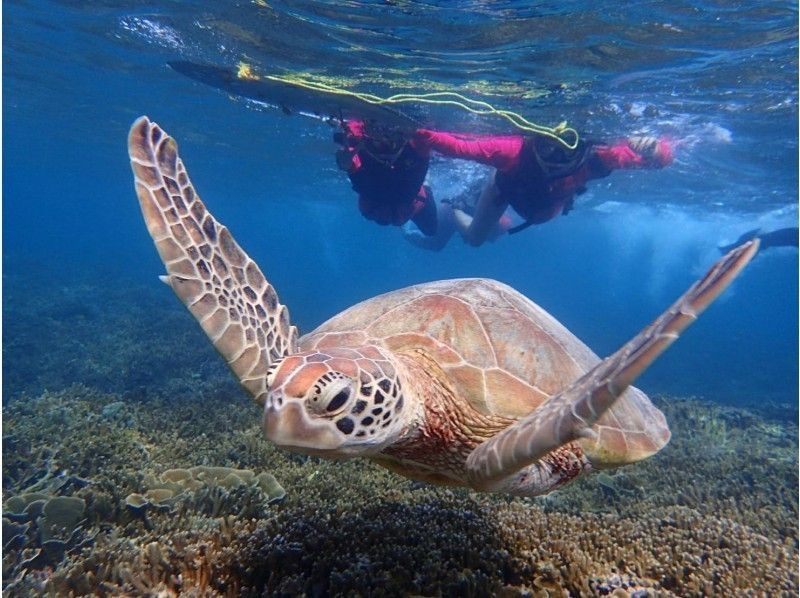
pixel 653 151
pixel 644 145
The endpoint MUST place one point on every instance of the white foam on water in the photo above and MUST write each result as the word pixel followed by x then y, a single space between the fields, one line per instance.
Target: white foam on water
pixel 153 32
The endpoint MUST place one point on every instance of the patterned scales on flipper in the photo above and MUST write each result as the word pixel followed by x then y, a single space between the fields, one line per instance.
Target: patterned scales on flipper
pixel 219 284
pixel 572 413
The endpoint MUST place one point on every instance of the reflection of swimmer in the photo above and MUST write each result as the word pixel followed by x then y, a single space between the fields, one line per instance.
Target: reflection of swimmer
pixel 782 237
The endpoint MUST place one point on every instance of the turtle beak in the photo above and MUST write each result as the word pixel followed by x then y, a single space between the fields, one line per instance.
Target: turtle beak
pixel 290 427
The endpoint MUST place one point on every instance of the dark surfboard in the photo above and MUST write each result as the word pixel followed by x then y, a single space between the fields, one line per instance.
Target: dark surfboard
pixel 292 98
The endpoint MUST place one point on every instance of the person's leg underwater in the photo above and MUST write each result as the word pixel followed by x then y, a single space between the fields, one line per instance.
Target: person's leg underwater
pixel 431 238
pixel 479 227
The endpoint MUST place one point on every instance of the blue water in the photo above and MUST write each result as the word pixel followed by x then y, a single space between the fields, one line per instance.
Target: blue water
pixel 719 77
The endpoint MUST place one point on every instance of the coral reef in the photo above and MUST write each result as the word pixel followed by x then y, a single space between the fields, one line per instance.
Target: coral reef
pixel 215 491
pixel 92 331
pixel 715 513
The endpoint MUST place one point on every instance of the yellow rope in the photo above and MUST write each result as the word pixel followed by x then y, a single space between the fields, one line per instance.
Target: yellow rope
pixel 560 133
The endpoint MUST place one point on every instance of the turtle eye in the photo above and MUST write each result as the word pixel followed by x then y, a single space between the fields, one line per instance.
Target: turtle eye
pixel 330 396
pixel 338 401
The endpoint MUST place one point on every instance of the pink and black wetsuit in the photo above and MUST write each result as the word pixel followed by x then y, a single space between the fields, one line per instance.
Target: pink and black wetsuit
pixel 537 176
pixel 390 192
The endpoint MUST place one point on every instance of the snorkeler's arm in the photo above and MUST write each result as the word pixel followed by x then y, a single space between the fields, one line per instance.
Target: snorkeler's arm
pixel 502 152
pixel 635 152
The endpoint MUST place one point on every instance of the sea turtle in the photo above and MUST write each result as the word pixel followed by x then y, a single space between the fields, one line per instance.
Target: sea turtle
pixel 461 382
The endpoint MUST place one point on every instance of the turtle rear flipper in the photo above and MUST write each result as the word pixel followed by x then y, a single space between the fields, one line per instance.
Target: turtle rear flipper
pixel 571 414
pixel 218 282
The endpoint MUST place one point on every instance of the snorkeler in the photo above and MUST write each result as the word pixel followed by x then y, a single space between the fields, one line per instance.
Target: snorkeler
pixel 387 168
pixel 536 175
pixel 782 237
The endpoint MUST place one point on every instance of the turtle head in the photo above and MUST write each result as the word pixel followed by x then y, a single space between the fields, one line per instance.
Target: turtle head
pixel 334 402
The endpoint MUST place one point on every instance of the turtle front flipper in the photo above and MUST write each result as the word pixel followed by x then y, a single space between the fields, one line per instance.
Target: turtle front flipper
pixel 571 414
pixel 217 281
